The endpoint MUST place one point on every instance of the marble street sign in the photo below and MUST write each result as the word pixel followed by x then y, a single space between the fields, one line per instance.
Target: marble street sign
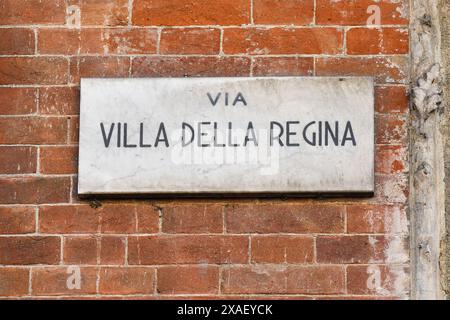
pixel 226 135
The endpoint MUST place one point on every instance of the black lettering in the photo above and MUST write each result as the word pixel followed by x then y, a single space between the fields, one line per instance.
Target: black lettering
pixel 329 133
pixel 272 137
pixel 107 140
pixel 141 137
pixel 239 98
pixel 161 130
pixel 215 137
pixel 125 137
pixel 289 134
pixel 185 125
pixel 313 141
pixel 214 101
pixel 320 133
pixel 250 130
pixel 202 134
pixel 230 136
pixel 119 129
pixel 348 132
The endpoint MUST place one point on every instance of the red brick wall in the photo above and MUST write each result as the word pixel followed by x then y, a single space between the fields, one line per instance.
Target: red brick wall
pixel 328 248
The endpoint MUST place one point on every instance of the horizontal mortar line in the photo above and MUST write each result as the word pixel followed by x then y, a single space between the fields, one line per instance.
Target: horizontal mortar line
pixel 309 201
pixel 218 55
pixel 40 174
pixel 38 86
pixel 40 145
pixel 222 266
pixel 209 201
pixel 210 26
pixel 35 115
pixel 229 235
pixel 157 296
pixel 200 265
pixel 70 144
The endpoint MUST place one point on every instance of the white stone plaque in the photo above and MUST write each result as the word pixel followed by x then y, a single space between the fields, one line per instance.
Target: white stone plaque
pixel 283 135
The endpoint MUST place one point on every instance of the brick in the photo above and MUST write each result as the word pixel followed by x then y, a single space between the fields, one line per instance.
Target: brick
pixel 392 188
pixel 16 41
pixel 91 40
pixel 378 280
pixel 16 220
pixel 350 249
pixel 74 182
pixel 59 41
pixel 377 41
pixel 18 12
pixel 148 218
pixel 118 41
pixel 358 249
pixel 34 190
pixel 104 12
pixel 80 250
pixel 17 160
pixel 88 250
pixel 187 249
pixel 254 279
pixel 130 280
pixel 263 41
pixel 118 218
pixel 113 218
pixel 190 66
pixel 112 250
pixel 190 41
pixel 59 160
pixel 392 99
pixel 54 281
pixel 36 70
pixel 296 12
pixel 316 280
pixel 193 219
pixel 331 12
pixel 17 101
pixel 391 159
pixel 182 13
pixel 390 130
pixel 29 250
pixel 74 129
pixel 188 280
pixel 97 41
pixel 284 218
pixel 59 100
pixel 383 69
pixel 68 219
pixel 376 219
pixel 282 249
pixel 98 67
pixel 14 281
pixel 283 66
pixel 269 279
pixel 33 130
